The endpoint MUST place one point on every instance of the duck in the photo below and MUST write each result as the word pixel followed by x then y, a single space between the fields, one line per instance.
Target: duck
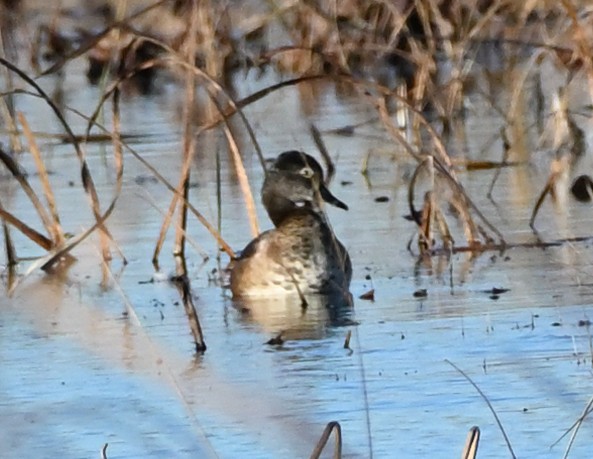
pixel 301 255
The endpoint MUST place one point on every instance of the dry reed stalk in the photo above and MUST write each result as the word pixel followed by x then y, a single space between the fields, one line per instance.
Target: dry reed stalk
pixel 21 178
pixel 11 272
pixel 175 58
pixel 167 218
pixel 330 428
pixel 329 164
pixel 470 450
pixel 574 428
pixel 168 214
pixel 240 172
pixel 58 253
pixel 11 257
pixel 501 428
pixel 446 236
pixel 243 181
pixel 190 47
pixel 581 39
pixel 430 215
pixel 506 148
pixel 87 180
pixel 118 158
pixel 176 195
pixel 27 231
pixel 558 168
pixel 54 228
pixel 15 141
pixel 425 232
pixel 108 92
pixel 443 165
pixel 8 49
pixel 588 410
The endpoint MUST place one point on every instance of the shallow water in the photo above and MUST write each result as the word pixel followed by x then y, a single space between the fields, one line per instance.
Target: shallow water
pixel 85 364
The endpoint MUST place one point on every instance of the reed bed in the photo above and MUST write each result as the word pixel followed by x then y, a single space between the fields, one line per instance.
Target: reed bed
pixel 413 62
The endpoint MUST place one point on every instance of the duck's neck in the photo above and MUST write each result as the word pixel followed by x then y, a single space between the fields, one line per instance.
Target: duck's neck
pixel 278 207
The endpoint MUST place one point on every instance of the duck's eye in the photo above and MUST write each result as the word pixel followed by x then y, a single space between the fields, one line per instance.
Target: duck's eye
pixel 306 172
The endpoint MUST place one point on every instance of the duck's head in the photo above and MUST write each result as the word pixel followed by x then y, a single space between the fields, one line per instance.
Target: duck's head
pixel 295 180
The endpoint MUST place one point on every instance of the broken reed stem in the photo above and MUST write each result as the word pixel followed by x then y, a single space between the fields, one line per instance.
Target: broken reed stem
pixel 183 285
pixel 330 428
pixel 54 228
pixel 470 449
pixel 506 439
pixel 29 232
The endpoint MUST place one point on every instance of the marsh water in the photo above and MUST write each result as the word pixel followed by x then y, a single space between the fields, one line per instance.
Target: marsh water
pixel 89 358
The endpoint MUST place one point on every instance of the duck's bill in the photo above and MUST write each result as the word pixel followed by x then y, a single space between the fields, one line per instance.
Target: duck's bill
pixel 330 198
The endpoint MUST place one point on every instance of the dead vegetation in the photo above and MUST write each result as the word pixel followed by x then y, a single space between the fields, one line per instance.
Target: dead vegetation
pixel 413 62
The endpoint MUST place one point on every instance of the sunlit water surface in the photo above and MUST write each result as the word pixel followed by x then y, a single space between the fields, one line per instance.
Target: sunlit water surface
pixel 84 364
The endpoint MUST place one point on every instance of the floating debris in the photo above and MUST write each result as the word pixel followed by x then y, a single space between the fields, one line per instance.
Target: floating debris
pixel 421 293
pixel 276 341
pixel 370 295
pixel 582 188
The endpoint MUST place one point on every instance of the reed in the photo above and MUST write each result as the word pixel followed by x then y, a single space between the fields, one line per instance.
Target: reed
pixel 412 61
pixel 351 43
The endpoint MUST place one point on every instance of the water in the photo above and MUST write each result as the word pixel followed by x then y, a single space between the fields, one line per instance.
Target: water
pixel 88 360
